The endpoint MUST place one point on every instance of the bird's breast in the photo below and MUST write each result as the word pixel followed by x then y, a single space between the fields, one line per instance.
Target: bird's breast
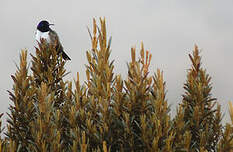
pixel 44 35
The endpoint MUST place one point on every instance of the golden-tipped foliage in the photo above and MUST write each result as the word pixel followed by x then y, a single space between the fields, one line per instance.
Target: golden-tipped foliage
pixel 48 67
pixel 107 113
pixel 22 110
pixel 200 115
pixel 226 142
pixel 36 99
pixel 231 111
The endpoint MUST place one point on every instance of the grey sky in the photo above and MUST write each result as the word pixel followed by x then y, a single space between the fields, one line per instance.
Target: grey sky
pixel 168 28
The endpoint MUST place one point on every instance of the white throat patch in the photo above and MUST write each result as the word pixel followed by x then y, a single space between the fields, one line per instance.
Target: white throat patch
pixel 44 35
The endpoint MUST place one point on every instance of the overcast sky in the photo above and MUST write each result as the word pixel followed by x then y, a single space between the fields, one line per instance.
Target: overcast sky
pixel 168 28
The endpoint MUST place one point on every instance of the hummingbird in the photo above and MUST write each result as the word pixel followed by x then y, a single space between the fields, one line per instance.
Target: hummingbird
pixel 44 31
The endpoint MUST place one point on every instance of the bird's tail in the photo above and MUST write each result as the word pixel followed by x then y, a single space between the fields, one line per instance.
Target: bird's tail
pixel 65 56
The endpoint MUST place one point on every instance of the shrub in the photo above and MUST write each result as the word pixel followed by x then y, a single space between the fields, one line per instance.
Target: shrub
pixel 107 113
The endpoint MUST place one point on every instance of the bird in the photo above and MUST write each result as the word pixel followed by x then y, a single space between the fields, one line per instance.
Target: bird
pixel 44 31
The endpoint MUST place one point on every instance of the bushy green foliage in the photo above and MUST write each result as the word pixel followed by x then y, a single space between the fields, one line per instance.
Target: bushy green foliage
pixel 107 113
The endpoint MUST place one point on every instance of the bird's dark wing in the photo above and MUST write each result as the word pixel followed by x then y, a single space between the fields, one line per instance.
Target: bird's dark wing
pixel 55 40
pixel 65 56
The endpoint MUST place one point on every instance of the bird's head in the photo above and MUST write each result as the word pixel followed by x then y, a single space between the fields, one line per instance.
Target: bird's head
pixel 43 26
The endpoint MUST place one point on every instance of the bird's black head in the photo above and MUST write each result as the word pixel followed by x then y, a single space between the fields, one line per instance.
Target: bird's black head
pixel 43 26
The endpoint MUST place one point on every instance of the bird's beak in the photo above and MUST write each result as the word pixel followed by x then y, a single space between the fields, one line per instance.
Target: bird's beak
pixel 51 24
